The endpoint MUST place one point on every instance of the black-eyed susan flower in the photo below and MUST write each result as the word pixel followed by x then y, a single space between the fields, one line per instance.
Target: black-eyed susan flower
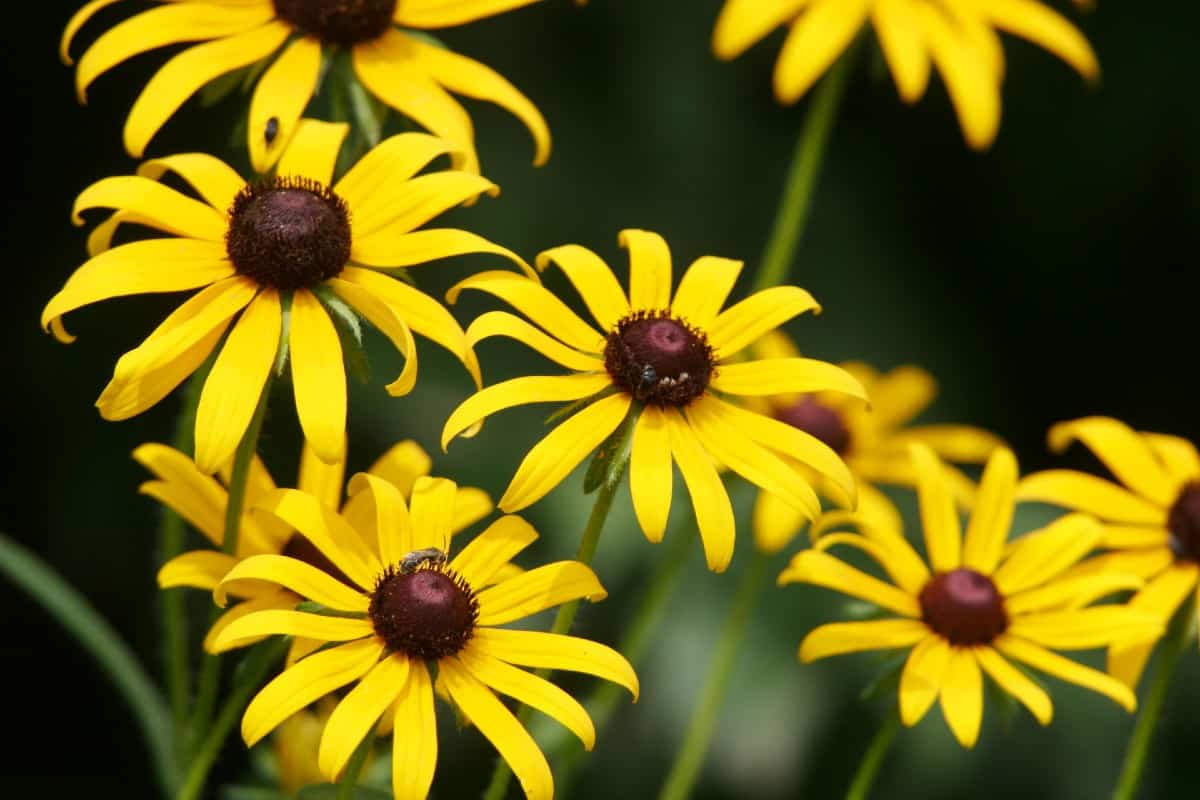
pixel 284 44
pixel 959 37
pixel 666 360
pixel 201 500
pixel 403 608
pixel 270 259
pixel 976 607
pixel 873 440
pixel 1151 520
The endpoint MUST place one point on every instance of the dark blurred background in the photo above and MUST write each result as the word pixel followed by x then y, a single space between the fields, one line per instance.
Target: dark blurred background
pixel 1051 277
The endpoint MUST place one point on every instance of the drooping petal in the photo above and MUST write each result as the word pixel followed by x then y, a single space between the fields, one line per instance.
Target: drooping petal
pixel 921 679
pixel 470 506
pixel 327 531
pixel 903 46
pixel 649 269
pixel 392 247
pixel 488 552
pixel 939 517
pixel 1160 598
pixel 1082 492
pixel 77 21
pixel 358 712
pixel 557 652
pixel 520 391
pixel 651 478
pixel 838 638
pixel 710 501
pixel 386 319
pixel 1016 683
pixel 304 579
pixel 183 75
pixel 1179 456
pixel 775 523
pixel 271 600
pixel 318 377
pixel 991 519
pixel 822 569
pixel 323 481
pixel 593 279
pixel 214 180
pixel 536 590
pixel 199 569
pixel 282 94
pixel 392 161
pixel 1123 451
pixel 414 755
pixel 536 302
pixel 284 622
pixel 744 322
pixel 962 696
pixel 814 43
pixel 1066 669
pixel 1045 27
pixel 741 23
pixel 969 75
pixel 1044 554
pixel 501 323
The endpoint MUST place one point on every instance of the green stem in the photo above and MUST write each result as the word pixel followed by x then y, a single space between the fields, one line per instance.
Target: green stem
pixel 564 619
pixel 695 744
pixel 249 677
pixel 794 206
pixel 1173 645
pixel 242 460
pixel 102 643
pixel 353 769
pixel 868 768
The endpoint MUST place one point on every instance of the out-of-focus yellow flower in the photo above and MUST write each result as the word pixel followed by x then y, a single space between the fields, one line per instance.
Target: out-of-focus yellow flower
pixel 282 43
pixel 959 37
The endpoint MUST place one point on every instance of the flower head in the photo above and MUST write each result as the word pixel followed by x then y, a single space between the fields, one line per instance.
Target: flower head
pixel 285 42
pixel 959 37
pixel 1151 520
pixel 405 607
pixel 873 440
pixel 666 361
pixel 976 606
pixel 201 500
pixel 278 262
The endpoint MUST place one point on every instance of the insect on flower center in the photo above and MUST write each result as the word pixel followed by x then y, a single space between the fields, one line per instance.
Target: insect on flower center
pixel 344 22
pixel 1183 523
pixel 428 613
pixel 819 420
pixel 658 359
pixel 964 607
pixel 288 233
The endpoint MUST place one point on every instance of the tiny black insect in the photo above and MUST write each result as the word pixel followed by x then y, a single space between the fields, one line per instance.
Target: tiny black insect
pixel 413 561
pixel 648 379
pixel 272 130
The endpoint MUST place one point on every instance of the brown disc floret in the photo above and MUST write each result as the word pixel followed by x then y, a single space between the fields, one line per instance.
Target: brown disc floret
pixel 818 420
pixel 427 614
pixel 964 607
pixel 1183 524
pixel 340 22
pixel 659 359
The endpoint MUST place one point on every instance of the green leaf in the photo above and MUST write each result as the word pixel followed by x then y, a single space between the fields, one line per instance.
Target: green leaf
pixel 369 114
pixel 612 456
pixel 349 330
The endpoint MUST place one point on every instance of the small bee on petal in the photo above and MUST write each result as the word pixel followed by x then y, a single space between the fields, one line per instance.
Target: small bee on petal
pixel 414 560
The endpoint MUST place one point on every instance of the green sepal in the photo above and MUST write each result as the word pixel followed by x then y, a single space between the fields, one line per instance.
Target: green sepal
pixel 350 334
pixel 313 607
pixel 612 456
pixel 571 408
pixel 285 329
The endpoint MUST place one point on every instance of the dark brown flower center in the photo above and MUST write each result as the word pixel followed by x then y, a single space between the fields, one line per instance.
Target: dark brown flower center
pixel 427 614
pixel 819 420
pixel 963 607
pixel 658 359
pixel 345 22
pixel 1183 523
pixel 288 233
pixel 302 549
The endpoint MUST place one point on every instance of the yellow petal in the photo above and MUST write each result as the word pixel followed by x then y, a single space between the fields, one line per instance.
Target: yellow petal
pixel 531 690
pixel 414 755
pixel 358 712
pixel 815 41
pixel 545 587
pixel 184 74
pixel 321 480
pixel 501 728
pixel 537 303
pixel 1071 592
pixel 402 464
pixel 1082 492
pixel 962 443
pixel 392 248
pixel 1086 628
pixel 838 638
pixel 1043 26
pixel 77 21
pixel 939 517
pixel 271 600
pixel 1123 451
pixel 903 46
pixel 710 501
pixel 312 151
pixel 156 205
pixel 1177 455
pixel 318 377
pixel 432 511
pixel 1126 662
pixel 822 569
pixel 501 323
pixel 231 392
pixel 1066 669
pixel 100 239
pixel 310 679
pixel 901 564
pixel 281 95
pixel 1144 563
pixel 650 476
pixel 391 528
pixel 962 696
pixel 389 322
pixel 969 75
pixel 593 279
pixel 488 552
pixel 1016 683
pixel 649 269
pixel 212 178
pixel 741 23
pixel 199 569
pixel 282 622
pixel 328 532
pixel 775 523
pixel 779 375
pixel 703 290
pixel 921 679
pixel 991 519
pixel 900 394
pixel 1160 598
pixel 448 13
pixel 394 160
pixel 464 76
pixel 556 652
pixel 743 323
pixel 470 506
pixel 1046 553
pixel 388 68
pixel 304 579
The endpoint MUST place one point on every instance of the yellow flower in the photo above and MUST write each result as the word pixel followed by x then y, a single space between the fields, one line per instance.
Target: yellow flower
pixel 663 360
pixel 976 607
pixel 283 44
pixel 1152 523
pixel 403 608
pixel 959 37
pixel 873 440
pixel 280 253
pixel 201 500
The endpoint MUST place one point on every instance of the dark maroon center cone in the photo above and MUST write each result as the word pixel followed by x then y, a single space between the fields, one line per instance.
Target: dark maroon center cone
pixel 427 614
pixel 289 233
pixel 819 420
pixel 1184 524
pixel 344 22
pixel 302 549
pixel 964 607
pixel 658 359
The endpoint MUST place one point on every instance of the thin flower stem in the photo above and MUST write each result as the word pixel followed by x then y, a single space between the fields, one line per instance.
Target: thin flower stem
pixel 71 610
pixel 1173 644
pixel 498 786
pixel 247 679
pixel 794 206
pixel 241 473
pixel 349 778
pixel 868 768
pixel 695 744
